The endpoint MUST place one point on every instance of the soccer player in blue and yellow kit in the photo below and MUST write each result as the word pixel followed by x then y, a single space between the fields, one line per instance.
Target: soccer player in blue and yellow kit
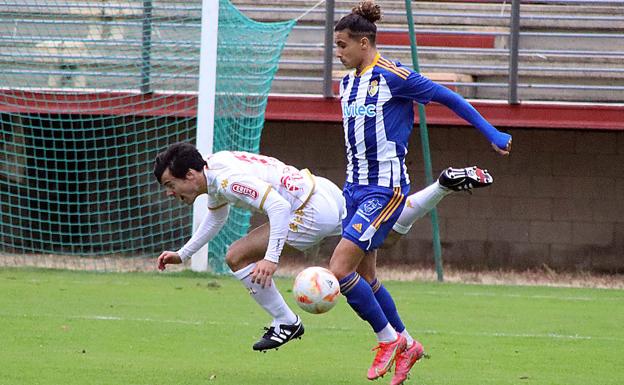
pixel 378 117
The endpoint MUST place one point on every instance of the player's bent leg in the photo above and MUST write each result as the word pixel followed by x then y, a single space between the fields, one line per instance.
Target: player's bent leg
pixel 414 350
pixel 417 206
pixel 421 202
pixel 367 268
pixel 241 258
pixel 248 249
pixel 346 258
pixel 371 212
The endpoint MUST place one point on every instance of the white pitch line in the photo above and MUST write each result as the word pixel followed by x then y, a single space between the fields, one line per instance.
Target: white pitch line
pixel 116 318
pixel 427 331
pixel 175 321
pixel 113 318
pixel 536 296
pixel 556 336
pixel 520 335
pixel 553 297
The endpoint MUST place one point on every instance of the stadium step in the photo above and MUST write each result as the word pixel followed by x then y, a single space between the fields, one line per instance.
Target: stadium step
pixel 447 13
pixel 440 77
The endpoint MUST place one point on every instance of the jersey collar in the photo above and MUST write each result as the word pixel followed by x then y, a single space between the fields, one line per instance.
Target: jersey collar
pixel 374 63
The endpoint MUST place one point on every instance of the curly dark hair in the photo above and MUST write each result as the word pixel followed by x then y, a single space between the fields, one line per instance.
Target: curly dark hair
pixel 361 21
pixel 179 158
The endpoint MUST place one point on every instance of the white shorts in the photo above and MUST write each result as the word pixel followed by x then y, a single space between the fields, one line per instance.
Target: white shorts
pixel 320 217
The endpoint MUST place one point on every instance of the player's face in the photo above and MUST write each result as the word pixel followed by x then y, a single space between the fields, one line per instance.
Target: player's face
pixel 349 51
pixel 184 189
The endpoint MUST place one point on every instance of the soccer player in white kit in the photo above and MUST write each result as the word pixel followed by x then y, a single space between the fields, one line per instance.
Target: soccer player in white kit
pixel 303 209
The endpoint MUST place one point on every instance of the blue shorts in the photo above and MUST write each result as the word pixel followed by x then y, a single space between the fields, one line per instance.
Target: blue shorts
pixel 371 213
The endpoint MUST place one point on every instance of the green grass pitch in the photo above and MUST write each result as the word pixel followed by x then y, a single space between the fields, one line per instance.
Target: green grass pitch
pixel 59 327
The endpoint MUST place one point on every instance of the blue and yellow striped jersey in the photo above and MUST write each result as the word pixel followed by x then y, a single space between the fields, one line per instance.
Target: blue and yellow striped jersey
pixel 378 117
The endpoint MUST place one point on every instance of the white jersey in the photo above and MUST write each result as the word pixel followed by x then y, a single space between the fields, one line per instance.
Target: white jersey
pixel 244 180
pixel 301 212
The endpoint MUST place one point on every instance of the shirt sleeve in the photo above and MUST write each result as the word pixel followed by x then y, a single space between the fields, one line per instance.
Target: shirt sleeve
pixel 215 201
pixel 208 228
pixel 414 86
pixel 463 109
pixel 278 211
pixel 260 195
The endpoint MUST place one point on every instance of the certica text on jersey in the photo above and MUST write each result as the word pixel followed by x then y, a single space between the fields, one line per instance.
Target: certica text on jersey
pixel 354 110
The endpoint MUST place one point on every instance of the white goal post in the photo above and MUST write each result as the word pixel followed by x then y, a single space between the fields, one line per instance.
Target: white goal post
pixel 205 110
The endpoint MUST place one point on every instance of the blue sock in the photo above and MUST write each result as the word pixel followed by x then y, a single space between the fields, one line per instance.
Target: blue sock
pixel 387 305
pixel 360 297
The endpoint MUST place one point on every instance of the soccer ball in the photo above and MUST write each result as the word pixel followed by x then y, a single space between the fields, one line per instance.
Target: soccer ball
pixel 316 290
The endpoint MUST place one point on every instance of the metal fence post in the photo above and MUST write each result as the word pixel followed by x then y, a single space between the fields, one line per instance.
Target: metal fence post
pixel 328 91
pixel 146 48
pixel 424 138
pixel 514 37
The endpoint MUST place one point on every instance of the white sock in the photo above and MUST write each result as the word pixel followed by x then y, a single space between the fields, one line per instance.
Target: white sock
pixel 269 298
pixel 407 336
pixel 387 334
pixel 418 205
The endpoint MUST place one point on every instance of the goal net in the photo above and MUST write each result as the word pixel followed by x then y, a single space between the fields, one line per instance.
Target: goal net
pixel 90 92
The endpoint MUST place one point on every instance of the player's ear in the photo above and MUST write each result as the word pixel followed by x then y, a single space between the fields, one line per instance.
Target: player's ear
pixel 364 42
pixel 193 175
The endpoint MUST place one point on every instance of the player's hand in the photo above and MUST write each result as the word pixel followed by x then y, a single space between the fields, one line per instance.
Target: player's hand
pixel 263 272
pixel 503 151
pixel 168 257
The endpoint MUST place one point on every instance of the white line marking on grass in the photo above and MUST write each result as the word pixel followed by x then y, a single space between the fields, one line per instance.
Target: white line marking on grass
pixel 113 318
pixel 126 319
pixel 531 296
pixel 175 321
pixel 520 335
pixel 536 296
pixel 497 334
pixel 556 336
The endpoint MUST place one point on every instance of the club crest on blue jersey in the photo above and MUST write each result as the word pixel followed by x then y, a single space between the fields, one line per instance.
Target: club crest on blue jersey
pixel 353 110
pixel 373 87
pixel 369 207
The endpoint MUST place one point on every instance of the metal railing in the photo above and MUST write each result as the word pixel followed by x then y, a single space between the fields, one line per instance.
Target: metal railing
pixel 510 60
pixel 515 54
pixel 527 60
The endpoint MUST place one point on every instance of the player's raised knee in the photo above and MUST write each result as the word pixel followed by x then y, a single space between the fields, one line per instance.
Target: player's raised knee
pixel 235 258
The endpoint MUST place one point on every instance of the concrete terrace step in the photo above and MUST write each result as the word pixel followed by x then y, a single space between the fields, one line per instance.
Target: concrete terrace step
pixel 472 39
pixel 534 16
pixel 479 37
pixel 457 59
pixel 463 38
pixel 556 91
pixel 440 77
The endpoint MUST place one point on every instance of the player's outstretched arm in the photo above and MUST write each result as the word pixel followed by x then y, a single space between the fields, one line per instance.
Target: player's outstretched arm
pixel 501 142
pixel 278 211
